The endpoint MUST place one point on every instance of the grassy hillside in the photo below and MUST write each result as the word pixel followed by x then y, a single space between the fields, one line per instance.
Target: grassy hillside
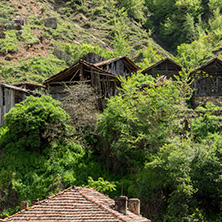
pixel 82 26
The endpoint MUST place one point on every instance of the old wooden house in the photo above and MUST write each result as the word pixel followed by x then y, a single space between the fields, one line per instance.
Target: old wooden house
pixel 9 96
pixel 165 67
pixel 207 83
pixel 121 66
pixel 105 83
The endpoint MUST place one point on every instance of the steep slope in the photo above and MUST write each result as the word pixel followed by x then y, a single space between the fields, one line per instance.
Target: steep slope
pixel 26 51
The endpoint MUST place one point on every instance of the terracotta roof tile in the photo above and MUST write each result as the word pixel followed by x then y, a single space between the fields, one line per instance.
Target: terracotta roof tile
pixel 75 204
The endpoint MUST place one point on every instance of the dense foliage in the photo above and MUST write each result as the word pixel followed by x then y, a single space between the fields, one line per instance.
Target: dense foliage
pixel 137 122
pixel 33 166
pixel 165 154
pixel 171 158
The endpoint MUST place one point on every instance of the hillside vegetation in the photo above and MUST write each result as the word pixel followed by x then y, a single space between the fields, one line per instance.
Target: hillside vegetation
pixel 88 26
pixel 164 153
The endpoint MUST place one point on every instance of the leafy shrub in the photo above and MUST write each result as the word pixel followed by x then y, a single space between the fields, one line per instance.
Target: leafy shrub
pixel 208 122
pixel 28 36
pixel 183 181
pixel 10 43
pixel 34 123
pixel 101 185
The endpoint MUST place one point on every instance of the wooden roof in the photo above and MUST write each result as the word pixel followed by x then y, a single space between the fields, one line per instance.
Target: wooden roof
pixel 68 72
pixel 161 62
pixel 212 66
pixel 76 204
pixel 133 67
pixel 28 84
pixel 27 91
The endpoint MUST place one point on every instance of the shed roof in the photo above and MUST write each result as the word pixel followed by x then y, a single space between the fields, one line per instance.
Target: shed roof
pixel 130 63
pixel 19 89
pixel 215 60
pixel 69 71
pixel 75 204
pixel 28 84
pixel 160 62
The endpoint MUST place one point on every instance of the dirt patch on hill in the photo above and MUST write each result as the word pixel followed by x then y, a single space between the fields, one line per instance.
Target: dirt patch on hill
pixel 24 50
pixel 23 9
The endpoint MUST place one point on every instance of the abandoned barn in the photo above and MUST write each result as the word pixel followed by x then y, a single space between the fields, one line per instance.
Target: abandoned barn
pixel 121 66
pixel 207 83
pixel 105 83
pixel 9 96
pixel 165 67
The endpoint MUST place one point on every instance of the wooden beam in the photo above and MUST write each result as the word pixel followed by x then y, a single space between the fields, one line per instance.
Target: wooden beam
pixel 74 75
pixel 81 72
pixel 68 82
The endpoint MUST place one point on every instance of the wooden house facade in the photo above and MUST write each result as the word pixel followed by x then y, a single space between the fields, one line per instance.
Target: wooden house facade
pixel 165 67
pixel 121 66
pixel 105 83
pixel 207 83
pixel 9 96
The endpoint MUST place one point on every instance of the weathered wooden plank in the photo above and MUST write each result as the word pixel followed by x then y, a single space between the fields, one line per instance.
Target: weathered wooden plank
pixel 7 99
pixel 12 98
pixel 99 84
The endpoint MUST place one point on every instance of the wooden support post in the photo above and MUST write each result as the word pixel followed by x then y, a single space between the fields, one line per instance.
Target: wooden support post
pixel 108 87
pixel 12 98
pixel 99 84
pixel 92 77
pixel 7 99
pixel 104 87
pixel 81 72
pixel 115 88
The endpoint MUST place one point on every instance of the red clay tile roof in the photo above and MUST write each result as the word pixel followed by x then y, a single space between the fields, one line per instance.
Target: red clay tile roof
pixel 75 204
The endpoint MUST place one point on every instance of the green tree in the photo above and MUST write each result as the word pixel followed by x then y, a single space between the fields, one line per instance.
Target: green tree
pixel 137 122
pixel 133 7
pixel 34 123
pixel 195 54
